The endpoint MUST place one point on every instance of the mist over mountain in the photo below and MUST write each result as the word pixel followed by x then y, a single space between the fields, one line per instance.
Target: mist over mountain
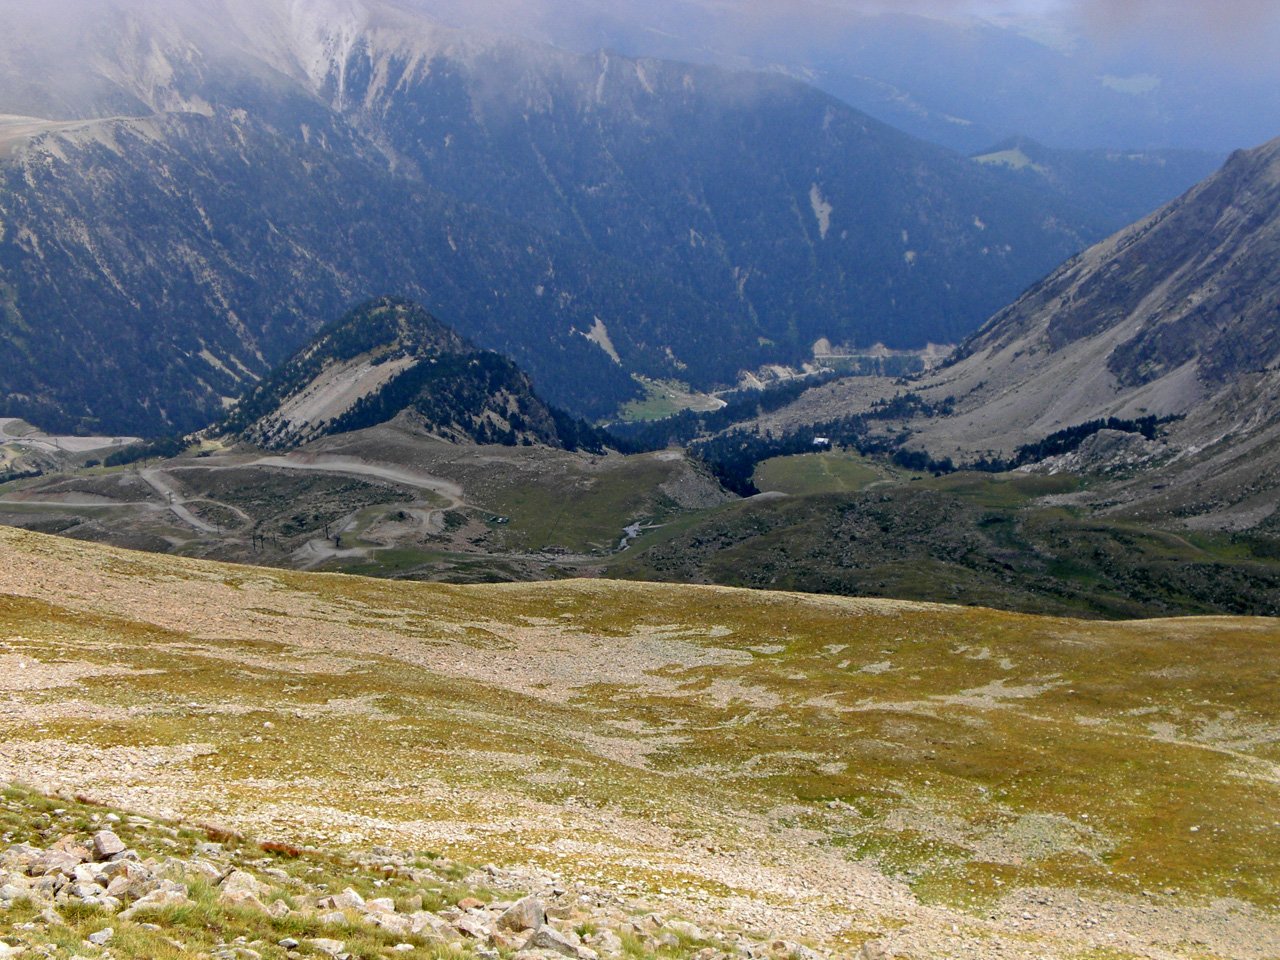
pixel 189 191
pixel 1076 74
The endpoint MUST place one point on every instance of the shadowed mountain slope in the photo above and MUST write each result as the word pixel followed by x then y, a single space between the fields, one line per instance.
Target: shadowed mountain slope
pixel 277 162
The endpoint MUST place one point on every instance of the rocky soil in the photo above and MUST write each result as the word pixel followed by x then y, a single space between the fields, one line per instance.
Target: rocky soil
pixel 125 884
pixel 785 772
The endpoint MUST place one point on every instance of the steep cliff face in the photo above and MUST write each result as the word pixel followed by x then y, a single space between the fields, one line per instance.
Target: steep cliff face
pixel 295 157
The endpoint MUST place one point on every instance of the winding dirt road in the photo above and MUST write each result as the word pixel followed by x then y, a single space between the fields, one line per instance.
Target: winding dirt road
pixel 156 480
pixel 350 466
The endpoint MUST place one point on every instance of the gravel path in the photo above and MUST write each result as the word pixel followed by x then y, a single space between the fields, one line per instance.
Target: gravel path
pixel 160 483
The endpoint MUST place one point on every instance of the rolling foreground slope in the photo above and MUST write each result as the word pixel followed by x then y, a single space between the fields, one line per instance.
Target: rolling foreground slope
pixel 939 782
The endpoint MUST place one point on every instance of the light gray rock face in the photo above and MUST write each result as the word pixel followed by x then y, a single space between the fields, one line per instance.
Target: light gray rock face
pixel 102 937
pixel 55 862
pixel 473 927
pixel 396 923
pixel 684 929
pixel 239 884
pixel 607 942
pixel 156 900
pixel 431 927
pixel 526 914
pixel 547 938
pixel 242 899
pixel 107 845
pixel 348 899
pixel 333 948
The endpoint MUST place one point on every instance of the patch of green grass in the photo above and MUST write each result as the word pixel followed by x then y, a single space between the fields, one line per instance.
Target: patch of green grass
pixel 831 472
pixel 665 398
pixel 581 511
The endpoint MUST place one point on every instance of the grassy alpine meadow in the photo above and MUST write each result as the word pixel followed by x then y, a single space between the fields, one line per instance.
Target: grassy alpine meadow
pixel 830 770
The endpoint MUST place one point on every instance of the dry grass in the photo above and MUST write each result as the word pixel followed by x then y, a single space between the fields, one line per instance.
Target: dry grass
pixel 669 741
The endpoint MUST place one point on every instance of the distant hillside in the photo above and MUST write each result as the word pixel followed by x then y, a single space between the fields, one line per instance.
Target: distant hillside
pixel 390 357
pixel 1108 187
pixel 201 182
pixel 1177 317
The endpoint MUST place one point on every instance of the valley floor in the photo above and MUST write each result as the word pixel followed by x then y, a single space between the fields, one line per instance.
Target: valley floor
pixel 392 501
pixel 940 781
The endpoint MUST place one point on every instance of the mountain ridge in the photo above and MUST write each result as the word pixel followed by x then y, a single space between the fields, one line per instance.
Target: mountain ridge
pixel 390 358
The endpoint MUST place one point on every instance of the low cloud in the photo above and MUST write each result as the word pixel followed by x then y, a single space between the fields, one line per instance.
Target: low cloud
pixel 1239 35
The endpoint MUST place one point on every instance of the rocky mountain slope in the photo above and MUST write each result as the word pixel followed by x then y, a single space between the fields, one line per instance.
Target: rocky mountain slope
pixel 933 781
pixel 182 205
pixel 1177 318
pixel 390 358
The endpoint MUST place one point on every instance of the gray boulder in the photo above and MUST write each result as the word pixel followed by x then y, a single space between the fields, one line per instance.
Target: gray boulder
pixel 107 845
pixel 526 914
pixel 548 938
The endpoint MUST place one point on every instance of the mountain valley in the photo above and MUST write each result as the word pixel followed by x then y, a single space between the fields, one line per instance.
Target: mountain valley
pixel 1173 319
pixel 557 480
pixel 1128 394
pixel 263 167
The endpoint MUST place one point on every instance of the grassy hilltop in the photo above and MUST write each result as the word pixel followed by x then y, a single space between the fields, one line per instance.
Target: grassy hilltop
pixel 942 780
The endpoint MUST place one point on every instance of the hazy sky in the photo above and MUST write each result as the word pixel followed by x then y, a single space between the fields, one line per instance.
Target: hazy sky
pixel 1192 73
pixel 1238 33
pixel 1191 27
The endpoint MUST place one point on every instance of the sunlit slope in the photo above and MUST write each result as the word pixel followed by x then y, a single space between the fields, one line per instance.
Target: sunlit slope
pixel 836 770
